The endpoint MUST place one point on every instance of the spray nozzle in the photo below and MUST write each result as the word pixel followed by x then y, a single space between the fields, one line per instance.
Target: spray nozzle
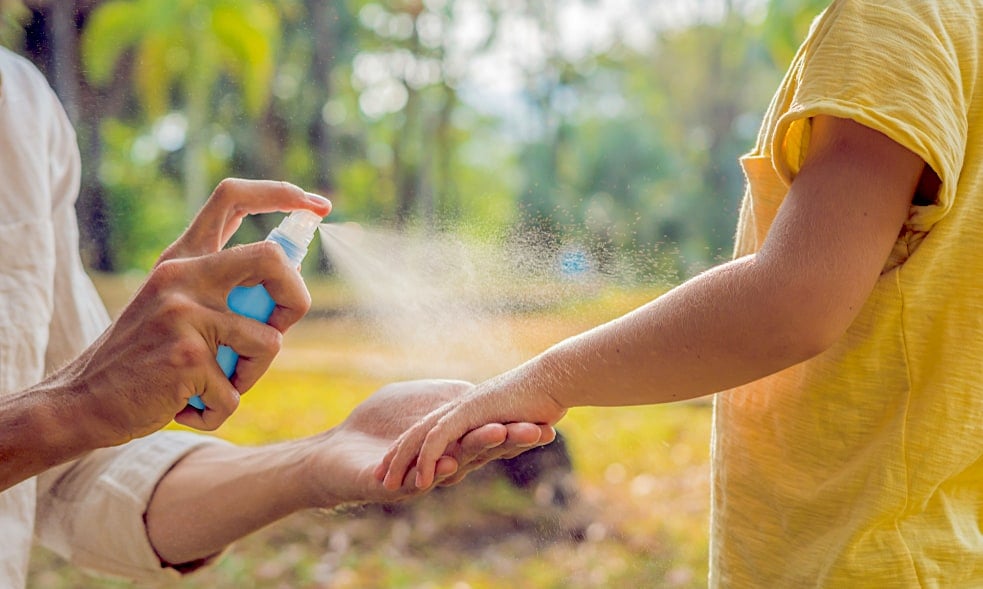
pixel 295 233
pixel 299 227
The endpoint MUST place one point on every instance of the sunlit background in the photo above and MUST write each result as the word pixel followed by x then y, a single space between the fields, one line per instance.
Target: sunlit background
pixel 578 156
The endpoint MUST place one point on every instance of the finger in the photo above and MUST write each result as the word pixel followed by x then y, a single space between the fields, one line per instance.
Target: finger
pixel 476 449
pixel 524 437
pixel 248 265
pixel 293 300
pixel 231 201
pixel 495 441
pixel 400 456
pixel 472 450
pixel 430 452
pixel 480 440
pixel 381 469
pixel 257 345
pixel 220 398
pixel 446 467
pixel 282 282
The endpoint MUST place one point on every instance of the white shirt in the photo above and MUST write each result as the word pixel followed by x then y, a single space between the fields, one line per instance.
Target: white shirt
pixel 89 511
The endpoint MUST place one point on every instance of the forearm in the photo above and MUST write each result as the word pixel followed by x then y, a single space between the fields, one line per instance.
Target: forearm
pixel 729 326
pixel 218 494
pixel 40 428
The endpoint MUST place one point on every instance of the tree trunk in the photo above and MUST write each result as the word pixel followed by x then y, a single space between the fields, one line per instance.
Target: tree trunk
pixel 323 16
pixel 57 53
pixel 194 162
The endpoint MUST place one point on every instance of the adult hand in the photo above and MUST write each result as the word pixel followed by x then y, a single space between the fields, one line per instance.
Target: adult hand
pixel 161 350
pixel 344 459
pixel 417 453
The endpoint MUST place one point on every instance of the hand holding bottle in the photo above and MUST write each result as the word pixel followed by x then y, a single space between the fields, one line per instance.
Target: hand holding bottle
pixel 161 351
pixel 294 235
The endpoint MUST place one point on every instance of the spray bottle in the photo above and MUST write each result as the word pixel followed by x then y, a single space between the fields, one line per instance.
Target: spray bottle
pixel 293 234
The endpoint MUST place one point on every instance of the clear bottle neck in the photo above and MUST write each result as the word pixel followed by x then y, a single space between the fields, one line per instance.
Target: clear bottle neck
pixel 295 233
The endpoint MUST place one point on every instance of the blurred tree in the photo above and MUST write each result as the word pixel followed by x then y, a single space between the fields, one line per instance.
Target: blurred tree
pixel 418 112
pixel 12 15
pixel 715 94
pixel 182 49
pixel 48 33
pixel 786 25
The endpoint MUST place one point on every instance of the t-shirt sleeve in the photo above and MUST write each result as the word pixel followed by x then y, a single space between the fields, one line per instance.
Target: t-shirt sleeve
pixel 895 67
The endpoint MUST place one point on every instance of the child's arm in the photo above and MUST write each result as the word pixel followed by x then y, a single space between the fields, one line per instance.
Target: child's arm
pixel 734 324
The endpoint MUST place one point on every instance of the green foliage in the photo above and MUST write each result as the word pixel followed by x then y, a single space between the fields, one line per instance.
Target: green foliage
pixel 181 50
pixel 627 147
pixel 145 206
pixel 13 14
pixel 174 39
pixel 786 25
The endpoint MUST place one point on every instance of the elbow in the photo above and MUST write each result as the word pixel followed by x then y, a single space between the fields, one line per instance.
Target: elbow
pixel 808 332
pixel 816 340
pixel 808 313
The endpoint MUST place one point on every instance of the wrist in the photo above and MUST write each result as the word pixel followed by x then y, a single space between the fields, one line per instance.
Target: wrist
pixel 319 485
pixel 295 463
pixel 73 408
pixel 540 376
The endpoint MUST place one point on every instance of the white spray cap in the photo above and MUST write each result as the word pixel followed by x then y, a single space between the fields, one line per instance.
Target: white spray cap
pixel 295 233
pixel 299 227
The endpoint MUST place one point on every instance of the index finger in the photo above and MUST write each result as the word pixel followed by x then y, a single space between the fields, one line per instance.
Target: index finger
pixel 231 201
pixel 263 262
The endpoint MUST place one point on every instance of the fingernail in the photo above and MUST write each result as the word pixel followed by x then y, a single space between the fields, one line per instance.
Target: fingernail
pixel 317 198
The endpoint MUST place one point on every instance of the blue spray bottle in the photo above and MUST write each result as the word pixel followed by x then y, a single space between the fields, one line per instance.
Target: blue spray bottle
pixel 293 234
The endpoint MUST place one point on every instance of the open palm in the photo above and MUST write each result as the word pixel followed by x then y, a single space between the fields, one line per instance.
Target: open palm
pixel 358 444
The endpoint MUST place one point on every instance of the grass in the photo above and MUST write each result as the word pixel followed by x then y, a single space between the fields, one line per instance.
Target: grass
pixel 637 516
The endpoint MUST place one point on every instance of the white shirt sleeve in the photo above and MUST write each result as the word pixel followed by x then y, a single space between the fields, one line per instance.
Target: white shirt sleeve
pixel 91 512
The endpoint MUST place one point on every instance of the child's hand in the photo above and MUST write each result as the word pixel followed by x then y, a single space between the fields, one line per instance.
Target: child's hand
pixel 495 401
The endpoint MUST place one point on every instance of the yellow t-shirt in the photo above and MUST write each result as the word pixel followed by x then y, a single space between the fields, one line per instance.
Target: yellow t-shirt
pixel 863 467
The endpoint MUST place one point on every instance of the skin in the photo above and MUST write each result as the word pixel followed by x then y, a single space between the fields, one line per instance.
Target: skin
pixel 140 373
pixel 189 517
pixel 734 324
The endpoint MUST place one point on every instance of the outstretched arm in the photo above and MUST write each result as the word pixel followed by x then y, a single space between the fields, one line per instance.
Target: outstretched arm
pixel 216 495
pixel 736 323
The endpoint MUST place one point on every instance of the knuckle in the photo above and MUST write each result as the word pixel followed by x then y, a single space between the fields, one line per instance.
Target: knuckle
pixel 174 308
pixel 225 187
pixel 269 256
pixel 164 274
pixel 304 301
pixel 271 341
pixel 226 195
pixel 183 354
